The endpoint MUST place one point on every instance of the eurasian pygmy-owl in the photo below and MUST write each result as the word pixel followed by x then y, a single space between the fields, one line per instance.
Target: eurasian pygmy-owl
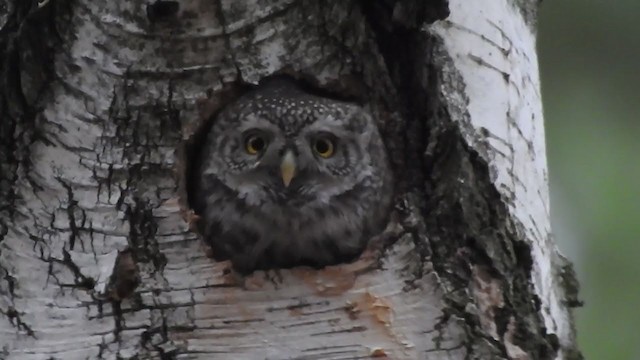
pixel 289 178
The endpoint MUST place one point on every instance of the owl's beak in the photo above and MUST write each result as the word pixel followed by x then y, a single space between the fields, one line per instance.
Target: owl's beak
pixel 288 168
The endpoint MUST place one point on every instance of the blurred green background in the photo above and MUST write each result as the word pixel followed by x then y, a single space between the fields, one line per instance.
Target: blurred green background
pixel 589 61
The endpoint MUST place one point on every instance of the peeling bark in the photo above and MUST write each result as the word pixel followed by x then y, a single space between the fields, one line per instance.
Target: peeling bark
pixel 102 104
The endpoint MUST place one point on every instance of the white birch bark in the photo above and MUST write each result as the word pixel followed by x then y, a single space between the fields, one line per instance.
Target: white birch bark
pixel 95 167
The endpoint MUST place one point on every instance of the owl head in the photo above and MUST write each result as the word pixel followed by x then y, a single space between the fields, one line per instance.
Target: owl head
pixel 285 146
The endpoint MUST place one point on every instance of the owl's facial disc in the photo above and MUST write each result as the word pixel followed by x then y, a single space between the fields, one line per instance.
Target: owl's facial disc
pixel 295 168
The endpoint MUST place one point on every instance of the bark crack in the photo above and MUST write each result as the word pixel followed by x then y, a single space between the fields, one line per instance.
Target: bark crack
pixel 15 318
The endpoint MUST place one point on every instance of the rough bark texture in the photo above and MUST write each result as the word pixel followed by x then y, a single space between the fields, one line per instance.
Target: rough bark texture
pixel 101 103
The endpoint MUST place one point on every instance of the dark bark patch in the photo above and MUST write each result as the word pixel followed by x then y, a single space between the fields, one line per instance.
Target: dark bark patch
pixel 15 319
pixel 72 209
pixel 142 231
pixel 529 11
pixel 125 277
pixel 570 284
pixel 157 338
pixel 29 38
pixel 162 10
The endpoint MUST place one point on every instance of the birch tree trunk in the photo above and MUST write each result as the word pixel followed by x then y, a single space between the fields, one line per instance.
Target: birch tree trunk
pixel 101 103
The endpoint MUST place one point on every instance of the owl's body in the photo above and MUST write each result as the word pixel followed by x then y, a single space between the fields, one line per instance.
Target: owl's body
pixel 288 178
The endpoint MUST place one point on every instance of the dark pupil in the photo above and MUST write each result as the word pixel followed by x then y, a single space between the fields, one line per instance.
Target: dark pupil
pixel 256 143
pixel 322 146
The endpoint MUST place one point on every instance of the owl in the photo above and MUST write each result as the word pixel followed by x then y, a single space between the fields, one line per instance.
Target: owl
pixel 289 178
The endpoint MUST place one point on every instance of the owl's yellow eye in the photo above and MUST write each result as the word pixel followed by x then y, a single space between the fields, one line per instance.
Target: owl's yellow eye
pixel 324 147
pixel 254 144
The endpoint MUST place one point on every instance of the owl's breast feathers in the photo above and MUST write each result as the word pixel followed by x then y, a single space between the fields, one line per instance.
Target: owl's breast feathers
pixel 289 232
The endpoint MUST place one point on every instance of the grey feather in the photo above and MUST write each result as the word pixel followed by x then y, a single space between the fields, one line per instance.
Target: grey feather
pixel 332 206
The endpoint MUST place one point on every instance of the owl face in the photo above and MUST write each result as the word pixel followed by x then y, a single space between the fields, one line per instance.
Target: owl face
pixel 309 154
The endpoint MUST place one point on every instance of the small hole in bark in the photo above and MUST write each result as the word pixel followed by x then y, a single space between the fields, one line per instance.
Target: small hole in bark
pixel 523 254
pixel 162 10
pixel 88 283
